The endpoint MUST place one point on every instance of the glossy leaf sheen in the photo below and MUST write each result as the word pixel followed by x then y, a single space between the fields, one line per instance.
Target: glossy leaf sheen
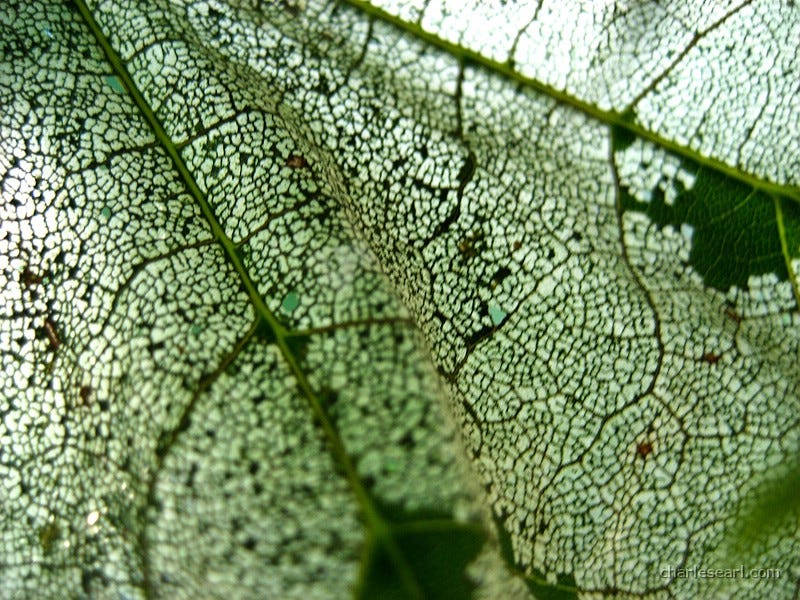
pixel 262 262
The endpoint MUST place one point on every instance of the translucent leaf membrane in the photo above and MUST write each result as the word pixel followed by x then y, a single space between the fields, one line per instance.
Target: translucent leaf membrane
pixel 218 277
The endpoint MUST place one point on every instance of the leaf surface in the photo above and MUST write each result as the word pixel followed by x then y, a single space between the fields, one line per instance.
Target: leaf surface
pixel 263 261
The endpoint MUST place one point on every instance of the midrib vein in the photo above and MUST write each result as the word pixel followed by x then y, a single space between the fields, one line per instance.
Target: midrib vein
pixel 379 528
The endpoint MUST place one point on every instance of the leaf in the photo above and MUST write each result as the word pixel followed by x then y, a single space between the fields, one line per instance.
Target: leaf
pixel 205 413
pixel 225 226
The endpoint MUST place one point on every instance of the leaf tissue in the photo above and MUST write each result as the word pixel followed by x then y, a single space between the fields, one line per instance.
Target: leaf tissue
pixel 348 299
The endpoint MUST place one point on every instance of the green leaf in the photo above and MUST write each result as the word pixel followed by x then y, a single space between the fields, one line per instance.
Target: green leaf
pixel 333 299
pixel 733 228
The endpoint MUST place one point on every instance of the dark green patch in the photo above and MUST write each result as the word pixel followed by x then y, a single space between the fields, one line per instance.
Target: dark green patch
pixel 244 253
pixel 328 398
pixel 467 170
pixel 298 345
pixel 772 507
pixel 735 228
pixel 264 331
pixel 621 138
pixel 791 224
pixel 434 554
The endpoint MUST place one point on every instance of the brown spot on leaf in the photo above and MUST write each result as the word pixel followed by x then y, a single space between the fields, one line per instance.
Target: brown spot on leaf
pixel 467 247
pixel 86 393
pixel 733 315
pixel 52 334
pixel 29 278
pixel 296 161
pixel 711 358
pixel 48 535
pixel 644 448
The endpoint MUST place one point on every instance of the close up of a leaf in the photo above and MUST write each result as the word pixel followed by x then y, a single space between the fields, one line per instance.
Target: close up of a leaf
pixel 427 300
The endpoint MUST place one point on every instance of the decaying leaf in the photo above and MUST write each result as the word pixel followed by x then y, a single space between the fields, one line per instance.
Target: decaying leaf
pixel 559 261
